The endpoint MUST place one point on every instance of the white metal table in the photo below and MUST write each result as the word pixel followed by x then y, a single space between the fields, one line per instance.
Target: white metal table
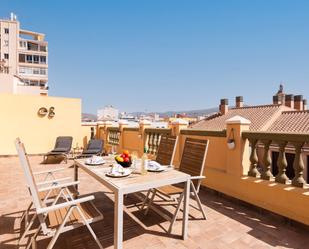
pixel 135 183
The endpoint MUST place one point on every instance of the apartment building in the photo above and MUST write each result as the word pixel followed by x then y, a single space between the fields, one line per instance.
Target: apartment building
pixel 23 59
pixel 108 113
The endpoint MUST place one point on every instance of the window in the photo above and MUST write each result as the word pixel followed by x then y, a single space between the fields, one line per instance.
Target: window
pixel 6 31
pixel 22 58
pixel 36 71
pixel 22 70
pixel 6 56
pixel 43 71
pixel 43 48
pixel 33 46
pixel 22 44
pixel 29 58
pixel 36 59
pixel 34 83
pixel 6 43
pixel 43 59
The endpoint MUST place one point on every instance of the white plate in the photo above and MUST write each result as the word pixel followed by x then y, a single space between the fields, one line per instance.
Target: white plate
pixel 96 163
pixel 126 172
pixel 160 169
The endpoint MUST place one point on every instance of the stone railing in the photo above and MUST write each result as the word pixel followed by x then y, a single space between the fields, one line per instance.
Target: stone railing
pixel 113 136
pixel 153 137
pixel 205 133
pixel 282 141
pixel 226 168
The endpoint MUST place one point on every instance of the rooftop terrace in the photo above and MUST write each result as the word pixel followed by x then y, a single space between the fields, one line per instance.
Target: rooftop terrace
pixel 230 224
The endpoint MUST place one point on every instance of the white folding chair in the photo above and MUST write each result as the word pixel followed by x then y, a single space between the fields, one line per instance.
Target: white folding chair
pixel 192 162
pixel 64 213
pixel 49 180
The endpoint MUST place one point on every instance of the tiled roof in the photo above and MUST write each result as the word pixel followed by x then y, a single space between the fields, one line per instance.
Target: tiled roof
pixel 291 121
pixel 261 117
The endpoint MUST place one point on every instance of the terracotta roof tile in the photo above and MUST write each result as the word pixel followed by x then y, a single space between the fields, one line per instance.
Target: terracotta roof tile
pixel 261 117
pixel 291 121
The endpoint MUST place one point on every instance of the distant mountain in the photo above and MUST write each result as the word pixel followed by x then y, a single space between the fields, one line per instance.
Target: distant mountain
pixel 190 113
pixel 89 117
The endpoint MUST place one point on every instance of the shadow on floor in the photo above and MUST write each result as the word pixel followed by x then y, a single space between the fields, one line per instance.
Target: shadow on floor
pixel 53 160
pixel 265 227
pixel 134 226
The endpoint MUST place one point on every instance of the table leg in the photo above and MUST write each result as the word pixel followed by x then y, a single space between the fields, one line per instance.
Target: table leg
pixel 186 210
pixel 118 220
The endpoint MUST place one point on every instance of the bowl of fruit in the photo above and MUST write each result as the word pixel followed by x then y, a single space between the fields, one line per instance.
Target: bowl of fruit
pixel 124 159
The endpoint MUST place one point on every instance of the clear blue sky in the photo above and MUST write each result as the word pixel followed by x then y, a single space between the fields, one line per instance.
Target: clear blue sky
pixel 164 55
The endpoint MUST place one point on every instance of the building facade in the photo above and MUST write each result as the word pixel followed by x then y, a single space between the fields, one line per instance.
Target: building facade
pixel 108 113
pixel 23 59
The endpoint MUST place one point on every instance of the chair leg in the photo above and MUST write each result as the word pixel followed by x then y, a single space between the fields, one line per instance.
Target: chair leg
pixel 150 201
pixel 198 201
pixel 25 215
pixel 59 230
pixel 145 200
pixel 89 228
pixel 27 228
pixel 33 239
pixel 176 213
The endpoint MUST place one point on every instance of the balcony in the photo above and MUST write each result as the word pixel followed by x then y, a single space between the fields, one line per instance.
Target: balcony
pixel 246 205
pixel 230 223
pixel 26 45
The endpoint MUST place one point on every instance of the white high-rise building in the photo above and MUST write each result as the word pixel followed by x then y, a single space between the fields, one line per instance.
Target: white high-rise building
pixel 23 59
pixel 108 113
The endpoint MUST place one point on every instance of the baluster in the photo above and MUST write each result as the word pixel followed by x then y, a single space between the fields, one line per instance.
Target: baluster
pixel 253 159
pixel 266 174
pixel 298 165
pixel 281 177
pixel 113 137
pixel 155 140
pixel 109 138
pixel 152 142
pixel 118 137
pixel 147 140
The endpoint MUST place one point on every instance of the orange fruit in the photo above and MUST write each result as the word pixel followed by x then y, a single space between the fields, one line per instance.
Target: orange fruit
pixel 126 152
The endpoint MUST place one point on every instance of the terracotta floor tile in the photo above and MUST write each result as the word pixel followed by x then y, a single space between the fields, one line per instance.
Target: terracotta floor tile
pixel 229 225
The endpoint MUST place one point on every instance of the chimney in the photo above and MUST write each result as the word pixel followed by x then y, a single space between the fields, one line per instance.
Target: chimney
pixel 289 100
pixel 275 100
pixel 305 105
pixel 224 106
pixel 239 101
pixel 298 102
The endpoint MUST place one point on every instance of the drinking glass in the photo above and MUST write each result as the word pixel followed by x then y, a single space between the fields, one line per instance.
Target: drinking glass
pixel 134 158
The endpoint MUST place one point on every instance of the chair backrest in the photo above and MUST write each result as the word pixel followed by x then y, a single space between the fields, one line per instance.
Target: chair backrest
pixel 95 144
pixel 64 143
pixel 193 158
pixel 24 161
pixel 166 150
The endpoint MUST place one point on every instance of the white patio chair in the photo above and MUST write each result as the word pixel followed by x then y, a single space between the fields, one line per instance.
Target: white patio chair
pixel 64 213
pixel 192 162
pixel 49 180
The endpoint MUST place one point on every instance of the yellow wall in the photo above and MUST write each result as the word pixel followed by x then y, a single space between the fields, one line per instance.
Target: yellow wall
pixel 19 118
pixel 226 171
pixel 131 141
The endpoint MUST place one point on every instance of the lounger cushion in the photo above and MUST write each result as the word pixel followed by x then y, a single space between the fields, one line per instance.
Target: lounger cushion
pixel 91 151
pixel 60 150
pixel 95 144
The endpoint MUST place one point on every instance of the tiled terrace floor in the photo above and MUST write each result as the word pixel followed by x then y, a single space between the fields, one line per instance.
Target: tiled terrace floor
pixel 229 225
